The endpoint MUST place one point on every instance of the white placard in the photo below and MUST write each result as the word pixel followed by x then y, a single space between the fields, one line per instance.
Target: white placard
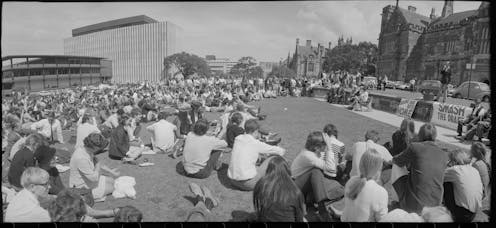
pixel 406 108
pixel 448 115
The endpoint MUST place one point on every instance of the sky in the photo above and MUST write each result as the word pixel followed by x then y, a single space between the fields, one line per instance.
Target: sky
pixel 266 31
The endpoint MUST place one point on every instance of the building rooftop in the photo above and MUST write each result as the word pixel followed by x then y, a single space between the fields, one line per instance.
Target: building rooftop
pixel 47 56
pixel 456 17
pixel 113 24
pixel 415 18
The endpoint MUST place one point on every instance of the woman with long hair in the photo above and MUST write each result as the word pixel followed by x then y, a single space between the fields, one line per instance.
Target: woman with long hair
pixel 365 200
pixel 423 186
pixel 402 137
pixel 478 153
pixel 276 196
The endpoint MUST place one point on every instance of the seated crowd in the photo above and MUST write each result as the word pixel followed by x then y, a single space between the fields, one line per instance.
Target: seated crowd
pixel 353 185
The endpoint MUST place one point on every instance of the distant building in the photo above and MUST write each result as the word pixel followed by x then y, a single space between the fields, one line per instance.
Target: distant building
pixel 267 67
pixel 307 60
pixel 219 65
pixel 43 72
pixel 136 45
pixel 412 45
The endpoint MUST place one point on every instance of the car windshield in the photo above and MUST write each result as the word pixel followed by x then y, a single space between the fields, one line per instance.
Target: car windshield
pixel 484 86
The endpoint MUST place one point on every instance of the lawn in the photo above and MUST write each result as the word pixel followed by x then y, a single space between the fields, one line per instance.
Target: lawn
pixel 163 194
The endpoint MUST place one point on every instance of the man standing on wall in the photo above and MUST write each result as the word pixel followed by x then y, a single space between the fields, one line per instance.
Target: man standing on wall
pixel 445 80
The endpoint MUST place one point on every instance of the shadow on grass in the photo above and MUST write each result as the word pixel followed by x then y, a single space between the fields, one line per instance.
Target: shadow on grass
pixel 180 168
pixel 223 178
pixel 242 216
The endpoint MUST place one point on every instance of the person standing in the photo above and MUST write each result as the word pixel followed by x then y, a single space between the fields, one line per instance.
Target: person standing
pixel 445 80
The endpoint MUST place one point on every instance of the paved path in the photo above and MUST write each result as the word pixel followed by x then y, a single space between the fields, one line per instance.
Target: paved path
pixel 443 134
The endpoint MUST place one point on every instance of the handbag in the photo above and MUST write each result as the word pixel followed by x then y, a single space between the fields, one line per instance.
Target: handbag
pixel 86 194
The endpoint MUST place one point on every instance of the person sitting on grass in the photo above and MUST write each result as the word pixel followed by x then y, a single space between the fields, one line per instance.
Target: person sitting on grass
pixel 234 128
pixel 403 136
pixel 310 171
pixel 86 171
pixel 69 207
pixel 120 145
pixel 201 152
pixel 463 188
pixel 427 162
pixel 24 159
pixel 205 203
pixel 478 153
pixel 128 214
pixel 364 199
pixel 45 159
pixel 471 120
pixel 25 206
pixel 354 155
pixel 243 172
pixel 276 197
pixel 85 126
pixel 164 133
pixel 360 98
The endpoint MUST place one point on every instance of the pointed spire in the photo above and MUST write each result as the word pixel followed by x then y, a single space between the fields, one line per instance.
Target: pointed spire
pixel 447 8
pixel 433 13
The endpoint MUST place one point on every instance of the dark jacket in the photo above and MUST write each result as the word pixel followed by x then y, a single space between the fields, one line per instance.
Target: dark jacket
pixel 401 142
pixel 119 143
pixel 23 159
pixel 424 186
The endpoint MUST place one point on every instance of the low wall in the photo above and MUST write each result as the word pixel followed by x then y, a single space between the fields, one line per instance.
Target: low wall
pixel 441 114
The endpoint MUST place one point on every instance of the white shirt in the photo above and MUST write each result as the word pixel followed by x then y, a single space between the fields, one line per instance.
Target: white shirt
pixel 83 130
pixel 43 127
pixel 244 156
pixel 370 205
pixel 467 186
pixel 163 134
pixel 359 148
pixel 25 207
pixel 197 150
pixel 112 121
pixel 82 170
pixel 305 161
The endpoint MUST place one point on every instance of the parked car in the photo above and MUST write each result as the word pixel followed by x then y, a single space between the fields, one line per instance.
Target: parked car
pixel 429 88
pixel 402 85
pixel 370 82
pixel 44 93
pixel 451 89
pixel 477 90
pixel 391 84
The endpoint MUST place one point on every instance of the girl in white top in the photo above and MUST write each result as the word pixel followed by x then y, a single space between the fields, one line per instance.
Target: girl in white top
pixel 364 199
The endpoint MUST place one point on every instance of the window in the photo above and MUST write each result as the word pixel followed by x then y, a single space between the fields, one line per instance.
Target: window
pixel 310 67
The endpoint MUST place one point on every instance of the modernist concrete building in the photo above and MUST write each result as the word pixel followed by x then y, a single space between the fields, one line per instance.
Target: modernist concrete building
pixel 43 72
pixel 219 65
pixel 416 46
pixel 136 46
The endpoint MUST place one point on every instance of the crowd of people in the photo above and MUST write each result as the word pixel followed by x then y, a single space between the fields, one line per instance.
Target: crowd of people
pixel 429 183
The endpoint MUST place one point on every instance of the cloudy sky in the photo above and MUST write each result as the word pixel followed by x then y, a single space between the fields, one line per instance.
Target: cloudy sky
pixel 264 30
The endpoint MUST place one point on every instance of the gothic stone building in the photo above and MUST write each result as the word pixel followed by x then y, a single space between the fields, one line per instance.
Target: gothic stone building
pixel 307 60
pixel 415 46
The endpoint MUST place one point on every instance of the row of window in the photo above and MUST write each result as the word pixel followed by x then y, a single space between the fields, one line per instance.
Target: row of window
pixel 53 71
pixel 484 47
pixel 62 61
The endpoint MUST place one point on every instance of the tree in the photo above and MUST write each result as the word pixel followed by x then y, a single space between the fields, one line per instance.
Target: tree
pixel 282 72
pixel 187 64
pixel 349 57
pixel 244 67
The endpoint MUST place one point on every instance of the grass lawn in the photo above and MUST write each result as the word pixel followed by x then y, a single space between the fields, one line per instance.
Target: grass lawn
pixel 163 193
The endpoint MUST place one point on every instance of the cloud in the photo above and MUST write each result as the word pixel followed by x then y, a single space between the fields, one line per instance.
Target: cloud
pixel 264 30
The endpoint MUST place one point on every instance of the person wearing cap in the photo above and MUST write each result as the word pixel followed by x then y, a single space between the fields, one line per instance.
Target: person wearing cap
pixel 49 127
pixel 87 172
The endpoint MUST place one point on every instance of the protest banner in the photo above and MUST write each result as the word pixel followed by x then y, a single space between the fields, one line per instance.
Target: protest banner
pixel 448 115
pixel 406 108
